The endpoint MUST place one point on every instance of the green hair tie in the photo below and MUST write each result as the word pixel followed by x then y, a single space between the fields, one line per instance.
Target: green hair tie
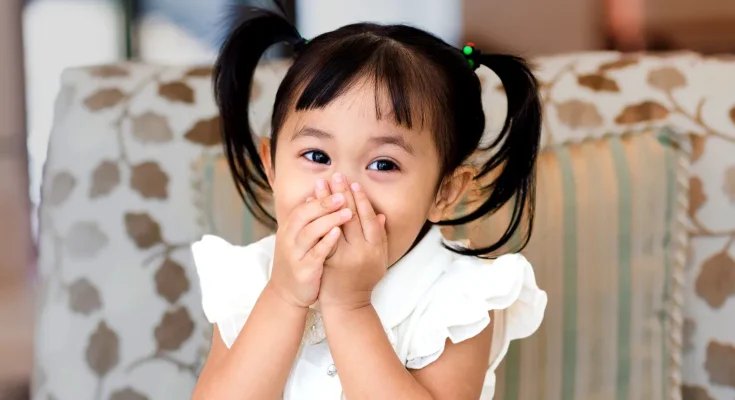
pixel 470 53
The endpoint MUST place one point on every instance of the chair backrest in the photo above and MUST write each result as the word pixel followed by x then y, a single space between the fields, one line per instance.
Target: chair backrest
pixel 134 174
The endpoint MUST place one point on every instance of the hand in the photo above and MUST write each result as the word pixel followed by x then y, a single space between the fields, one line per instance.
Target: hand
pixel 303 242
pixel 361 256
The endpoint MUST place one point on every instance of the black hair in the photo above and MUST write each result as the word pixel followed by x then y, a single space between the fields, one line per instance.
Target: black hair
pixel 426 80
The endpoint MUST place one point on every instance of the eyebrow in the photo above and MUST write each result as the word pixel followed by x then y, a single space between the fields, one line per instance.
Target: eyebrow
pixel 311 132
pixel 393 140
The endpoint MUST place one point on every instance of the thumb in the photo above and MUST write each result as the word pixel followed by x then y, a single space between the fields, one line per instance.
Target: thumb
pixel 381 219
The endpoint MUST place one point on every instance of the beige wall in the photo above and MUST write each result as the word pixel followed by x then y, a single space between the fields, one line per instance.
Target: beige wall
pixel 15 244
pixel 535 27
pixel 669 11
pixel 14 231
pixel 702 25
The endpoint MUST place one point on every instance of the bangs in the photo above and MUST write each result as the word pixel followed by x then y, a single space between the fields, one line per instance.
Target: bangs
pixel 407 89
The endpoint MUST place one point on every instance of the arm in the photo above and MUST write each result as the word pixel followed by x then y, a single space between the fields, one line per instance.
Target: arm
pixel 259 362
pixel 460 371
pixel 369 369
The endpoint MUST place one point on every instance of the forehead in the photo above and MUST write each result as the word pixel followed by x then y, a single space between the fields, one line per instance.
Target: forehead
pixel 364 106
pixel 355 120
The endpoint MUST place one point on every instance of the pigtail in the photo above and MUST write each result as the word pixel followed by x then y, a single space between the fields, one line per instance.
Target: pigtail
pixel 232 79
pixel 514 150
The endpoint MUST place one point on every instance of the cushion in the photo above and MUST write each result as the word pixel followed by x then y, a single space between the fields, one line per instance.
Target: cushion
pixel 605 249
pixel 602 248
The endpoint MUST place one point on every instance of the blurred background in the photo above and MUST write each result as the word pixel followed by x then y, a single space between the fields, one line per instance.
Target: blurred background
pixel 40 38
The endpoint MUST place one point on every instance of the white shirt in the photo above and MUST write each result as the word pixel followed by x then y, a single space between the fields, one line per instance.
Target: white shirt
pixel 430 295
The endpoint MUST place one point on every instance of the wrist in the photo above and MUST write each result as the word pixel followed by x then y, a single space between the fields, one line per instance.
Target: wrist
pixel 275 295
pixel 341 309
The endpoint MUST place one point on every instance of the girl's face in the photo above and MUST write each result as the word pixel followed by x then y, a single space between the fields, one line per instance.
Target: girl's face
pixel 397 167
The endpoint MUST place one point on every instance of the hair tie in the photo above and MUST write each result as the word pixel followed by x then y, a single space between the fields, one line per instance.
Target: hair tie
pixel 470 52
pixel 299 46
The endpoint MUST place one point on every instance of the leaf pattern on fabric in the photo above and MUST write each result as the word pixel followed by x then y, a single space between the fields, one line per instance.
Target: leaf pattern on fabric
pixel 716 280
pixel 143 230
pixel 108 71
pixel 150 127
pixel 84 298
pixel 598 83
pixel 174 329
pixel 103 350
pixel 149 180
pixel 720 363
pixel 205 132
pixel 728 186
pixel 60 187
pixel 642 112
pixel 171 281
pixel 666 79
pixel 128 394
pixel 85 239
pixel 697 198
pixel 105 178
pixel 177 92
pixel 579 114
pixel 104 98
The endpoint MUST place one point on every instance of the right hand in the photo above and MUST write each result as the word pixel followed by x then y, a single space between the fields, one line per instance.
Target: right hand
pixel 303 243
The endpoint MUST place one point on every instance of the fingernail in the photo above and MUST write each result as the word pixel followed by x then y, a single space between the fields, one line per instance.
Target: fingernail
pixel 321 184
pixel 334 231
pixel 308 199
pixel 338 198
pixel 346 213
pixel 355 186
pixel 338 177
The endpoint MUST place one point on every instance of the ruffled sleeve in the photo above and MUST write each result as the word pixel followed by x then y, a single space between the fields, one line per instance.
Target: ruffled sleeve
pixel 231 280
pixel 459 303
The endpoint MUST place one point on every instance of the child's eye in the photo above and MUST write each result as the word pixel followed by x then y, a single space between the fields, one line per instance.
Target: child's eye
pixel 317 157
pixel 383 165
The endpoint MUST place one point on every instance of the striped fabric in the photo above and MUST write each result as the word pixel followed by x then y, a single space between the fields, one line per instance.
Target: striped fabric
pixel 601 248
pixel 221 210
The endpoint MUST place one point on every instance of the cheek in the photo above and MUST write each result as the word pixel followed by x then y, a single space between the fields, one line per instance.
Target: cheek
pixel 289 191
pixel 406 212
pixel 292 183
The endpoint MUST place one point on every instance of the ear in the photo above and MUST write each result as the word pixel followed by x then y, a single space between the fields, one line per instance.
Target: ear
pixel 264 151
pixel 450 192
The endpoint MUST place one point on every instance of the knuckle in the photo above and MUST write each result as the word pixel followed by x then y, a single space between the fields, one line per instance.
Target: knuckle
pixel 316 251
pixel 299 215
pixel 307 231
pixel 370 216
pixel 326 203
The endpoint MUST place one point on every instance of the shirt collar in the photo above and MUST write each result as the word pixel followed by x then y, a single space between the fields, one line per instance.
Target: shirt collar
pixel 404 284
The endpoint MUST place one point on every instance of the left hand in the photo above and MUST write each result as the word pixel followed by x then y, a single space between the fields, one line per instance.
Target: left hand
pixel 361 256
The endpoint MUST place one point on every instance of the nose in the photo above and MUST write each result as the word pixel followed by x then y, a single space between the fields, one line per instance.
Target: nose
pixel 348 175
pixel 349 179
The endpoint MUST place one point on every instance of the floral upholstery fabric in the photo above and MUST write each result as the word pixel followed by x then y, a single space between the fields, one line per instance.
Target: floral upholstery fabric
pixel 119 313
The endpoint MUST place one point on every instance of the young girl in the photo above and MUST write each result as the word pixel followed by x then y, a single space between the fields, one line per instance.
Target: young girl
pixel 357 295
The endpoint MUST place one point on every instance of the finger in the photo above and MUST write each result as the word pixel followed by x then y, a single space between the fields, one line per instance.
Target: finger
pixel 308 199
pixel 381 218
pixel 307 212
pixel 324 247
pixel 321 189
pixel 352 229
pixel 368 219
pixel 383 232
pixel 314 231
